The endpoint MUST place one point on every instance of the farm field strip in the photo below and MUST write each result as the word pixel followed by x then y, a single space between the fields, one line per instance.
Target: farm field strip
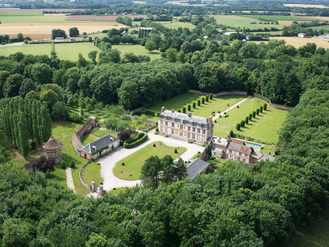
pixel 137 50
pixel 100 18
pixel 305 5
pixel 176 25
pixel 298 42
pixel 275 17
pixel 243 21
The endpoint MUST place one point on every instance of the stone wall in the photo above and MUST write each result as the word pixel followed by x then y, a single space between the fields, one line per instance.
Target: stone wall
pixel 277 106
pixel 80 174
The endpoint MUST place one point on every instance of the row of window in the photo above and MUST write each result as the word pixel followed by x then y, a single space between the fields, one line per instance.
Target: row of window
pixel 189 135
pixel 188 128
pixel 235 158
pixel 239 153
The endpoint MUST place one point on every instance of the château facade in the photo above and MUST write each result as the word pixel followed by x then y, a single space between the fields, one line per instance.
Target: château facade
pixel 185 126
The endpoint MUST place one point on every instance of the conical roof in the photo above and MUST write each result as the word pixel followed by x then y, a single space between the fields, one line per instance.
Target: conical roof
pixel 52 143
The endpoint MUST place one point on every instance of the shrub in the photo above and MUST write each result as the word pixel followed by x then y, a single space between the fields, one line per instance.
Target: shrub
pixel 76 117
pixel 238 126
pixel 254 114
pixel 154 145
pixel 72 164
pixel 140 139
pixel 228 104
pixel 92 160
pixel 189 107
pixel 194 104
pixel 189 141
pixel 184 109
pixel 210 96
pixel 242 123
pixel 114 188
pixel 157 129
pixel 63 164
pixel 265 107
pixel 207 98
pixel 215 121
pixel 247 120
pixel 125 134
pixel 166 135
pixel 231 133
pixel 237 106
pixel 224 113
pixel 261 109
pixel 250 116
pixel 218 111
pixel 203 100
pixel 199 102
pixel 175 151
pixel 179 110
pixel 123 164
pixel 257 111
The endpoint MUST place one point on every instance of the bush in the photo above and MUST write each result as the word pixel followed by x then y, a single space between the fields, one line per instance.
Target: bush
pixel 189 107
pixel 184 109
pixel 72 164
pixel 63 164
pixel 199 102
pixel 265 107
pixel 194 104
pixel 231 133
pixel 203 100
pixel 123 164
pixel 154 145
pixel 261 109
pixel 257 111
pixel 166 135
pixel 254 114
pixel 250 117
pixel 141 139
pixel 175 151
pixel 215 121
pixel 157 129
pixel 189 141
pixel 242 123
pixel 179 110
pixel 238 126
pixel 76 117
pixel 210 96
pixel 92 160
pixel 207 98
pixel 228 104
pixel 237 106
pixel 246 120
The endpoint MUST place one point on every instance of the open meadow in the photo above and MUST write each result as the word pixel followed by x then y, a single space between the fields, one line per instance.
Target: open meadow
pixel 298 42
pixel 137 50
pixel 176 25
pixel 264 127
pixel 276 17
pixel 133 163
pixel 68 51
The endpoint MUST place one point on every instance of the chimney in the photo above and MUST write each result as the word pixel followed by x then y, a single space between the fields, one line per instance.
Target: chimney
pixel 162 109
pixel 189 114
pixel 172 110
pixel 210 121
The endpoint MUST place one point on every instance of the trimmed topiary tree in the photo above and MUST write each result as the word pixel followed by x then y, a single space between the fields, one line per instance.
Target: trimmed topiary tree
pixel 254 114
pixel 257 111
pixel 203 100
pixel 242 123
pixel 261 109
pixel 184 109
pixel 189 107
pixel 199 102
pixel 210 96
pixel 250 116
pixel 154 145
pixel 247 120
pixel 179 110
pixel 72 164
pixel 175 151
pixel 123 164
pixel 207 98
pixel 194 104
pixel 265 107
pixel 231 133
pixel 63 164
pixel 238 126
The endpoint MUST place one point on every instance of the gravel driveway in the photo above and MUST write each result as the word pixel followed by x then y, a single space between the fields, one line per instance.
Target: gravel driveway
pixel 108 163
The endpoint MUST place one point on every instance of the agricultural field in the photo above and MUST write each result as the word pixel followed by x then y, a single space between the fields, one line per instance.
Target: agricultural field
pixel 133 163
pixel 306 5
pixel 243 21
pixel 176 25
pixel 99 18
pixel 137 50
pixel 264 127
pixel 298 42
pixel 219 103
pixel 64 51
pixel 275 17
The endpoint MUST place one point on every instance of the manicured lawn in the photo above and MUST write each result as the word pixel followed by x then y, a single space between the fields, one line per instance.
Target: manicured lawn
pixel 264 127
pixel 64 51
pixel 204 110
pixel 63 132
pixel 176 25
pixel 92 173
pixel 137 50
pixel 240 21
pixel 88 138
pixel 100 133
pixel 134 162
pixel 59 18
pixel 117 191
pixel 59 174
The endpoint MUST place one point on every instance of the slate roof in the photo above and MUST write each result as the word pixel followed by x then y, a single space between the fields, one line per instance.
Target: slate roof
pixel 239 148
pixel 220 141
pixel 266 157
pixel 52 143
pixel 195 167
pixel 101 142
pixel 183 116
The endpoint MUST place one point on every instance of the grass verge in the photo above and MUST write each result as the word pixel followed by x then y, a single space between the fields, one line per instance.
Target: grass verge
pixel 92 173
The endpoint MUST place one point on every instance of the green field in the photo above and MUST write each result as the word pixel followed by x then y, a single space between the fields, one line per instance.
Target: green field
pixel 64 51
pixel 63 132
pixel 264 127
pixel 178 24
pixel 88 138
pixel 33 19
pixel 275 17
pixel 134 162
pixel 92 173
pixel 100 133
pixel 137 50
pixel 22 14
pixel 117 191
pixel 204 110
pixel 325 27
pixel 239 21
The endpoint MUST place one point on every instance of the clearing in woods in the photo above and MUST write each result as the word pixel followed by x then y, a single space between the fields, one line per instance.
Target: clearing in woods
pixel 137 50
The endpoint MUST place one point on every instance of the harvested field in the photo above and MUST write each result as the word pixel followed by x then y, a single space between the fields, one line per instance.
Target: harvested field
pixel 298 42
pixel 17 10
pixel 306 6
pixel 139 2
pixel 288 23
pixel 99 18
pixel 33 36
pixel 45 28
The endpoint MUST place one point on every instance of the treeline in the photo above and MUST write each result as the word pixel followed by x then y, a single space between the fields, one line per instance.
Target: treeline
pixel 126 20
pixel 305 27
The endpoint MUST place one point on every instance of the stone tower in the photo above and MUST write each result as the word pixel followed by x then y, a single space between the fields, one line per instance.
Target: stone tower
pixel 52 149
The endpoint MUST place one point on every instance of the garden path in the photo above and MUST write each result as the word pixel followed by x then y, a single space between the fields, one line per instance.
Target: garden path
pixel 69 179
pixel 228 109
pixel 108 163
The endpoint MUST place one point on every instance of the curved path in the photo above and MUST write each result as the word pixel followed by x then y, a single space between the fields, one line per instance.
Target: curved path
pixel 108 163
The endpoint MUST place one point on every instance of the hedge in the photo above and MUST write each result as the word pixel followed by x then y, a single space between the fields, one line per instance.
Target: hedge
pixel 139 136
pixel 136 143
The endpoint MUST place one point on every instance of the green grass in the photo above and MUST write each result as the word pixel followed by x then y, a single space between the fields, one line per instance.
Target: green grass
pixel 264 127
pixel 178 24
pixel 100 133
pixel 325 27
pixel 59 174
pixel 275 17
pixel 239 21
pixel 63 132
pixel 92 173
pixel 137 50
pixel 117 191
pixel 88 138
pixel 34 19
pixel 204 110
pixel 22 14
pixel 64 51
pixel 134 162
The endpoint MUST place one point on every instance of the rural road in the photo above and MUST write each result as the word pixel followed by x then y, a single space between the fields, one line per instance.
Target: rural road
pixel 108 163
pixel 20 43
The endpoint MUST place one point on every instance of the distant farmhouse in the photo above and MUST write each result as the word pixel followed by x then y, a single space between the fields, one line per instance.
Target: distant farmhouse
pixel 236 150
pixel 185 126
pixel 304 35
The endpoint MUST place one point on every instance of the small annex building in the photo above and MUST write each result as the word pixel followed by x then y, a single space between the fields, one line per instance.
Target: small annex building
pixel 59 39
pixel 195 167
pixel 52 149
pixel 304 35
pixel 185 126
pixel 90 150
